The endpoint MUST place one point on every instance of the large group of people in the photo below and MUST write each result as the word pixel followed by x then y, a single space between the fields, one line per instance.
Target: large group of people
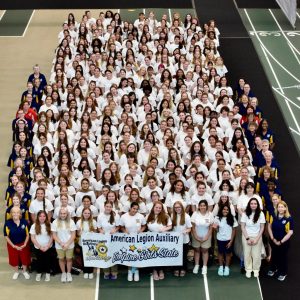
pixel 137 129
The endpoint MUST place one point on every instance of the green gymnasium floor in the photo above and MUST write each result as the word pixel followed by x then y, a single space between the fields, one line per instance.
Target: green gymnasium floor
pixel 278 47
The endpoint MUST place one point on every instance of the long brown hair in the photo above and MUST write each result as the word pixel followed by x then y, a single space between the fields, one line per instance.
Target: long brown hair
pixel 90 219
pixel 174 214
pixel 162 217
pixel 38 224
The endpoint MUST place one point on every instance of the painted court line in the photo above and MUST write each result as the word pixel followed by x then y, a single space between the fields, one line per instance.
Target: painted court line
pixel 2 14
pixel 28 23
pixel 18 36
pixel 295 131
pixel 271 55
pixel 170 15
pixel 286 98
pixel 151 288
pixel 282 92
pixel 206 287
pixel 259 286
pixel 97 284
pixel 292 47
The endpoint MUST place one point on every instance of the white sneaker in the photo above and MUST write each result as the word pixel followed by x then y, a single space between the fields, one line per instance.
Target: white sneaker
pixel 47 277
pixel 85 275
pixel 136 275
pixel 26 275
pixel 69 277
pixel 256 273
pixel 91 276
pixel 15 276
pixel 196 269
pixel 248 274
pixel 130 275
pixel 38 277
pixel 63 277
pixel 204 270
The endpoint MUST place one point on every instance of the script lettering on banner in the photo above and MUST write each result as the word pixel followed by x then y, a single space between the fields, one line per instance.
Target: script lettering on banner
pixel 137 250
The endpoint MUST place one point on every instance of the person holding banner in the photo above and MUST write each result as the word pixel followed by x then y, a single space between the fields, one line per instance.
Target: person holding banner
pixel 202 220
pixel 181 222
pixel 108 223
pixel 133 222
pixel 86 224
pixel 158 221
pixel 64 233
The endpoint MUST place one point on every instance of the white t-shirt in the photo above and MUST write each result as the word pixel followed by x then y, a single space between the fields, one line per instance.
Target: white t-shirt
pixel 224 230
pixel 63 233
pixel 84 228
pixel 181 228
pixel 202 222
pixel 43 238
pixel 173 197
pixel 195 199
pixel 36 206
pixel 157 227
pixel 253 229
pixel 103 222
pixel 132 223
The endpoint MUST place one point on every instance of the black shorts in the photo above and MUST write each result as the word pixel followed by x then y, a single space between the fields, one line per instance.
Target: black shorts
pixel 222 247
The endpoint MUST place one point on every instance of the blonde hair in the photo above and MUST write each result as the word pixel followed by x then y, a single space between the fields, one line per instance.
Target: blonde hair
pixel 66 221
pixel 286 213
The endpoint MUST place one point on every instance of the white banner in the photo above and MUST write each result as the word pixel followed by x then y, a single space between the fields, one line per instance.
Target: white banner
pixel 136 250
pixel 289 8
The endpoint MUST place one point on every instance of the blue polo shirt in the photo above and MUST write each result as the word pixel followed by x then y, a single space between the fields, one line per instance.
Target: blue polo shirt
pixel 17 234
pixel 281 226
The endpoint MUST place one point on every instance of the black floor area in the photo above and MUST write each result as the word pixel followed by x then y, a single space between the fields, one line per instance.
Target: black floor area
pixel 242 61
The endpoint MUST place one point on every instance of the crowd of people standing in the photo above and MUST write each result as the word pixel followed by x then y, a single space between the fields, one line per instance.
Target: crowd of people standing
pixel 137 129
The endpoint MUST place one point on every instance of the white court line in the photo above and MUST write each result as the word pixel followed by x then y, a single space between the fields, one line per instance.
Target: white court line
pixel 279 85
pixel 295 131
pixel 28 23
pixel 206 287
pixel 292 47
pixel 262 298
pixel 282 92
pixel 18 36
pixel 151 288
pixel 272 70
pixel 170 15
pixel 286 98
pixel 298 15
pixel 271 55
pixel 2 15
pixel 97 284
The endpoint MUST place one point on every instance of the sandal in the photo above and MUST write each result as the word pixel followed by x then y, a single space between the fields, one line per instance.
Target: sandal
pixel 155 275
pixel 182 273
pixel 161 275
pixel 176 273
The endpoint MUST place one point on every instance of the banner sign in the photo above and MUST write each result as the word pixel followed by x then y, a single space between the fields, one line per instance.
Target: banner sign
pixel 147 249
pixel 289 8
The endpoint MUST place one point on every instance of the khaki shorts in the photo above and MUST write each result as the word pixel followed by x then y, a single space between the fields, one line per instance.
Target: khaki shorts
pixel 204 245
pixel 68 254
